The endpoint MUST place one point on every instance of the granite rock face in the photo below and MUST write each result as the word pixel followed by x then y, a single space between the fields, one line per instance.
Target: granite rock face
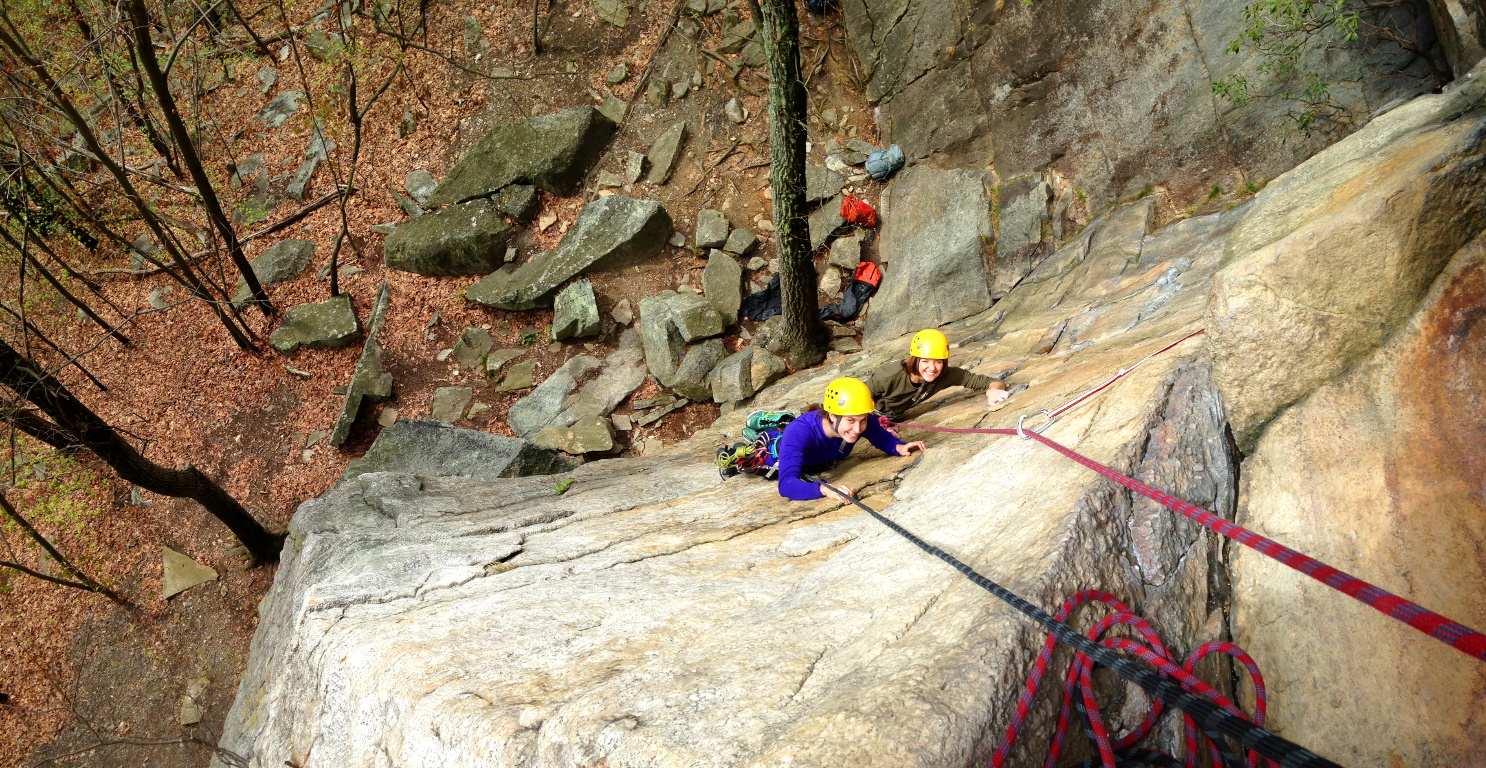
pixel 1337 252
pixel 549 151
pixel 1377 472
pixel 658 569
pixel 1114 93
pixel 649 613
pixel 936 226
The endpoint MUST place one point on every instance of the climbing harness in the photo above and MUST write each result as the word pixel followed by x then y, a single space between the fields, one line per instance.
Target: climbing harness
pixel 1205 706
pixel 758 454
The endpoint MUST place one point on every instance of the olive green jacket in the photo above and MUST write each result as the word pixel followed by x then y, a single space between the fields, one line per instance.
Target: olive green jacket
pixel 895 393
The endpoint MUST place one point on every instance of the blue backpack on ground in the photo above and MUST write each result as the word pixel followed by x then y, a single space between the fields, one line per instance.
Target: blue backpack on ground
pixel 882 163
pixel 816 6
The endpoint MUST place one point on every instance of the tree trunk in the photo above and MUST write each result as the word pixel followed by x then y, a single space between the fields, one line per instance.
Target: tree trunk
pixel 62 290
pixel 10 39
pixel 803 341
pixel 140 119
pixel 28 380
pixel 83 581
pixel 146 52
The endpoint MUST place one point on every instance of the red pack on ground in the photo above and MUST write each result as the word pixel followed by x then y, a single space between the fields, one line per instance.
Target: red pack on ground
pixel 858 211
pixel 869 273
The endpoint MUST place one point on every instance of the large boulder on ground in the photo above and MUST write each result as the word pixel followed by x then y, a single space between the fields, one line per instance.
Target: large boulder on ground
pixel 550 151
pixel 712 228
pixel 281 263
pixel 622 373
pixel 575 313
pixel 539 408
pixel 665 152
pixel 322 325
pixel 449 403
pixel 824 221
pixel 695 316
pixel 611 232
pixel 590 434
pixel 465 239
pixel 936 225
pixel 743 373
pixel 1337 252
pixel 722 279
pixel 428 448
pixel 691 380
pixel 821 183
pixel 369 381
pixel 662 341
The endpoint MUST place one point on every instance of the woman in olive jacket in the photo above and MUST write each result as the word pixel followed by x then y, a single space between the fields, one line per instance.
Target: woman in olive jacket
pixel 900 385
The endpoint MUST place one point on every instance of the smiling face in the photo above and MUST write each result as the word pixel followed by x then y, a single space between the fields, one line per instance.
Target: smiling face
pixel 928 369
pixel 851 427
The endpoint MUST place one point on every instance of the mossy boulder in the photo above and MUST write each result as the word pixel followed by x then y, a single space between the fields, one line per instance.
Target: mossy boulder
pixel 548 151
pixel 467 239
pixel 611 232
pixel 323 325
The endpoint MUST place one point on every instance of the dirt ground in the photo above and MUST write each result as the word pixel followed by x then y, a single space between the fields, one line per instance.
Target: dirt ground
pixel 84 682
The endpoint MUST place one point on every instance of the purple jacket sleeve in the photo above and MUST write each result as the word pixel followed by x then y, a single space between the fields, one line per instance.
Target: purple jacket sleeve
pixel 880 437
pixel 792 446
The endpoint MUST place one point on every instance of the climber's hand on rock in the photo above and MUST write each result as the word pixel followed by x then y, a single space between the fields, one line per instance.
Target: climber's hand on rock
pixel 906 448
pixel 841 493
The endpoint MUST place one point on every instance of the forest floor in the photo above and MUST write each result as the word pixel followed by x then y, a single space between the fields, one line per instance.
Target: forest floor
pixel 86 682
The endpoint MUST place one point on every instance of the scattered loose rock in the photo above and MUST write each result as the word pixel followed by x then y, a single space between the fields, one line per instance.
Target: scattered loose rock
pixel 281 263
pixel 591 434
pixel 665 152
pixel 576 312
pixel 449 403
pixel 740 242
pixel 623 313
pixel 181 573
pixel 281 108
pixel 722 280
pixel 712 229
pixel 420 185
pixel 690 380
pixel 473 344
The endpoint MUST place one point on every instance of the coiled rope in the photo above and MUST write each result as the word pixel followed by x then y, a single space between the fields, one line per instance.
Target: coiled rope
pixel 1448 631
pixel 1205 707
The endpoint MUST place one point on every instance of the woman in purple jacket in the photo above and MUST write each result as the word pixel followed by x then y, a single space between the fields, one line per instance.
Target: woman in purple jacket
pixel 828 435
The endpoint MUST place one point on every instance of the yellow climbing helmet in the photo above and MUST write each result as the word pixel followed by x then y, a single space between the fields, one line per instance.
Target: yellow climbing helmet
pixel 848 397
pixel 931 344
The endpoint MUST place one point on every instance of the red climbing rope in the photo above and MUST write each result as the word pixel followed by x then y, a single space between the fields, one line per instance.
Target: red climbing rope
pixel 1080 681
pixel 1054 414
pixel 1450 632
